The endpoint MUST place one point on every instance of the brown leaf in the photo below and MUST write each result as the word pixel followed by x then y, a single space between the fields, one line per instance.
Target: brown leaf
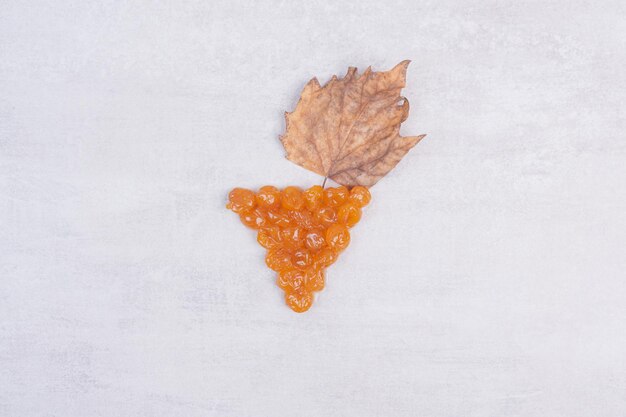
pixel 349 129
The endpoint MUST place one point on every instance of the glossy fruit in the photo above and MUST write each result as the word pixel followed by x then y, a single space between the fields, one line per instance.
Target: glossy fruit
pixel 240 199
pixel 325 258
pixel 325 215
pixel 335 197
pixel 254 218
pixel 269 237
pixel 299 301
pixel 268 197
pixel 349 214
pixel 303 232
pixel 303 218
pixel 338 237
pixel 302 258
pixel 292 198
pixel 279 217
pixel 314 239
pixel 278 259
pixel 360 196
pixel 291 279
pixel 313 197
pixel 314 280
pixel 293 237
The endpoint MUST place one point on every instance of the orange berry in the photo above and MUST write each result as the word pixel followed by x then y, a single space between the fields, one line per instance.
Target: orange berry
pixel 325 258
pixel 302 258
pixel 254 218
pixel 293 237
pixel 338 237
pixel 360 196
pixel 240 199
pixel 279 217
pixel 291 280
pixel 313 197
pixel 268 197
pixel 292 198
pixel 326 215
pixel 299 301
pixel 314 239
pixel 278 259
pixel 269 237
pixel 349 214
pixel 335 197
pixel 303 218
pixel 314 279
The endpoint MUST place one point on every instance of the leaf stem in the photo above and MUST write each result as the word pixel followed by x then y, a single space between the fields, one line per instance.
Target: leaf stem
pixel 324 183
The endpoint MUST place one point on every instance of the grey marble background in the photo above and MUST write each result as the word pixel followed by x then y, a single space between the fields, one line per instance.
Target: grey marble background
pixel 486 279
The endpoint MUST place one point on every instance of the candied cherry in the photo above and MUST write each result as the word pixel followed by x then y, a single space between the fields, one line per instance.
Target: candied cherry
pixel 293 237
pixel 278 259
pixel 349 214
pixel 338 237
pixel 268 197
pixel 240 200
pixel 279 217
pixel 314 279
pixel 335 197
pixel 291 279
pixel 292 198
pixel 326 215
pixel 314 239
pixel 302 218
pixel 325 257
pixel 253 218
pixel 313 197
pixel 360 196
pixel 302 258
pixel 269 237
pixel 299 301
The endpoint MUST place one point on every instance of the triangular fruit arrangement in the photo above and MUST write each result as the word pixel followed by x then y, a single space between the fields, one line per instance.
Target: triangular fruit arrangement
pixel 349 131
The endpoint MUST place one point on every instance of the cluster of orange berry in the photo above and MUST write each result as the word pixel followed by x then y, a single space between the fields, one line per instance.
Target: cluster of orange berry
pixel 303 232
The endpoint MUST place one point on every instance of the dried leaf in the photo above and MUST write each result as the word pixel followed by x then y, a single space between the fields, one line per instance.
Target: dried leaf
pixel 349 129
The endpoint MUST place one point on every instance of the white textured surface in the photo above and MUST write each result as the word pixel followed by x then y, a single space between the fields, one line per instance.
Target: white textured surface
pixel 486 279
